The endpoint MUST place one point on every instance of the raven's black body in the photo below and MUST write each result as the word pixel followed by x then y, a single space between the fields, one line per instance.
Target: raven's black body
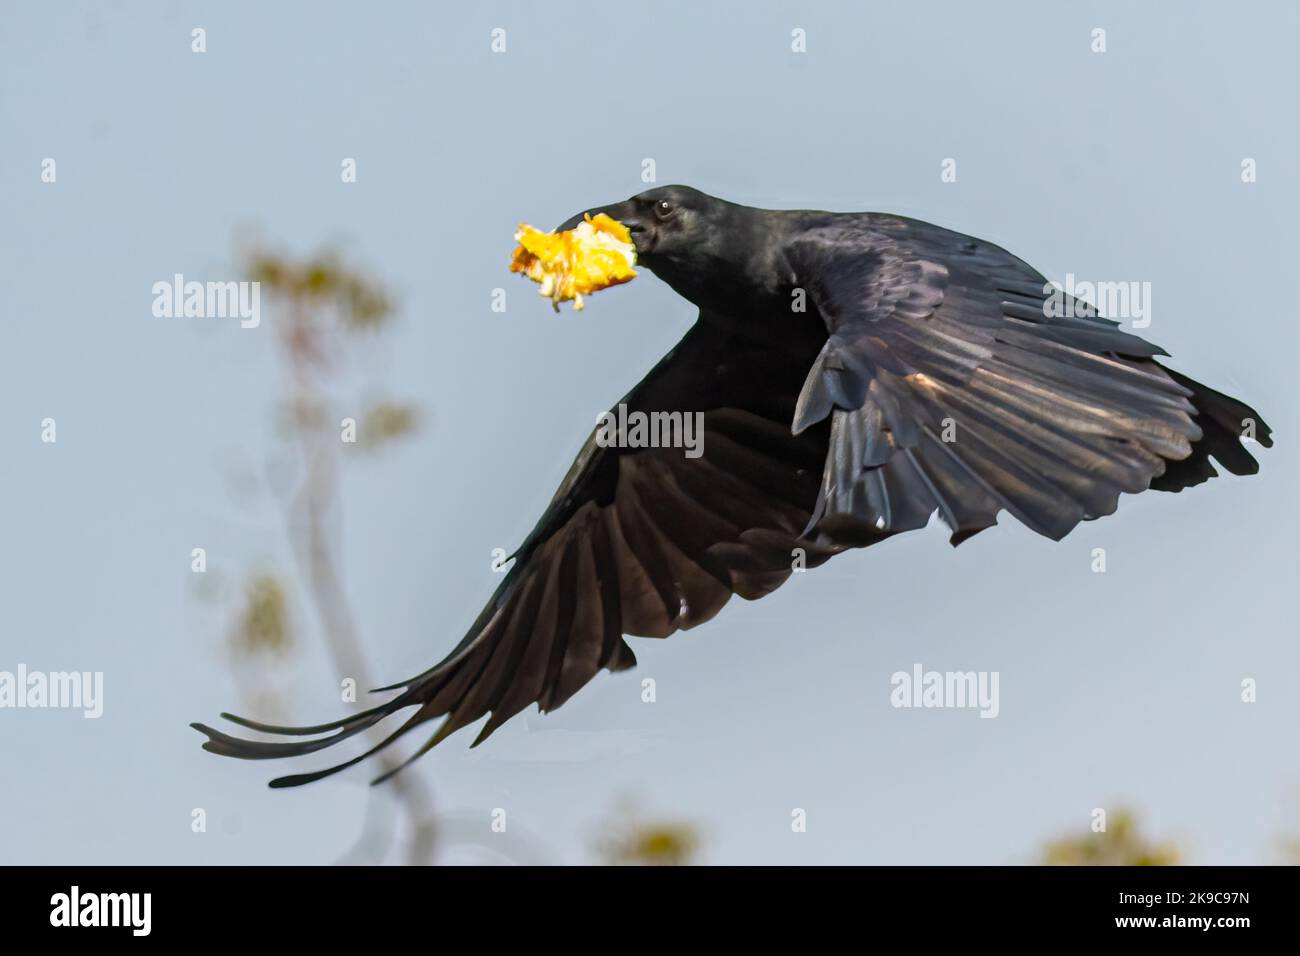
pixel 857 373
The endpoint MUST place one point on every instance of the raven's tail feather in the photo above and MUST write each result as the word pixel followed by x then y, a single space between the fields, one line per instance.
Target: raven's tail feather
pixel 1226 424
pixel 419 692
pixel 228 746
pixel 298 779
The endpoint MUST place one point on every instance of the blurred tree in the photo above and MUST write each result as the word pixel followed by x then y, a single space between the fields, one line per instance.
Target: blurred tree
pixel 320 304
pixel 629 839
pixel 1120 844
pixel 263 627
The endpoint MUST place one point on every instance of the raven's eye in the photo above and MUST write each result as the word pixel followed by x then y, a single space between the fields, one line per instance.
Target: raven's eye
pixel 664 209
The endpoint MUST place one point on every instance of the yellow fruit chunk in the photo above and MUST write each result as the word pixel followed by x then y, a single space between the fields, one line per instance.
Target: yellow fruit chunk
pixel 594 256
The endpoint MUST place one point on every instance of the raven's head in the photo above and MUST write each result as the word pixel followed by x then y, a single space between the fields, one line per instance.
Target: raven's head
pixel 709 250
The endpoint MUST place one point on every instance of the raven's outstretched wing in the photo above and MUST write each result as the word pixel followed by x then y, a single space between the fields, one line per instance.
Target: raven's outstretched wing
pixel 641 541
pixel 951 386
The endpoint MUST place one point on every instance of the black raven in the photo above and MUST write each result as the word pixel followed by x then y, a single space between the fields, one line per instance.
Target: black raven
pixel 855 374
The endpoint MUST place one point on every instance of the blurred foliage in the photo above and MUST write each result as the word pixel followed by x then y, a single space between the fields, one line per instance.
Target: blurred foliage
pixel 325 294
pixel 263 624
pixel 384 422
pixel 630 840
pixel 323 280
pixel 1290 849
pixel 663 844
pixel 1288 844
pixel 1121 844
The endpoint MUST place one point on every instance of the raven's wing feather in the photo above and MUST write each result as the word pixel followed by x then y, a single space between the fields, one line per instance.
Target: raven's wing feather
pixel 957 381
pixel 641 541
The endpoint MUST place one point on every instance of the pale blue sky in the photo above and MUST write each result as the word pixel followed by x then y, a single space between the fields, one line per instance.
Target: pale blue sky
pixel 1115 688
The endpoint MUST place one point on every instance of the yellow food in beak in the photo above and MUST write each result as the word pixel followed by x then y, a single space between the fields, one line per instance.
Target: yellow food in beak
pixel 594 256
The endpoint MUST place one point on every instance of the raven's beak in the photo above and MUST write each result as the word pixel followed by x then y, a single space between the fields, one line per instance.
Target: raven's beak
pixel 624 212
